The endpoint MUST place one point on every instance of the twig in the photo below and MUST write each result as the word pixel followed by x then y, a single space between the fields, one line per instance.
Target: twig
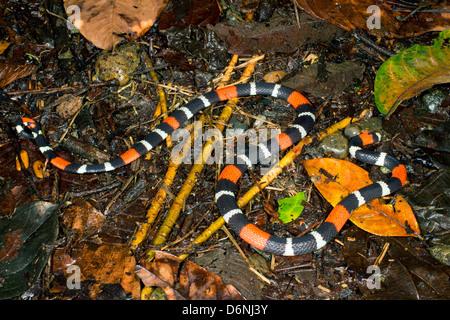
pixel 250 267
pixel 196 169
pixel 60 89
pixel 358 35
pixel 80 194
pixel 126 184
pixel 382 254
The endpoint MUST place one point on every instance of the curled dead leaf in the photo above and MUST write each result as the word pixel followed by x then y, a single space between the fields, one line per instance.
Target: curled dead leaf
pixel 192 281
pixel 23 154
pixel 106 23
pixel 38 169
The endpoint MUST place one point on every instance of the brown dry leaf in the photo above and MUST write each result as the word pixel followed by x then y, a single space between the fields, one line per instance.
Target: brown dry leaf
pixel 10 73
pixel 82 217
pixel 195 282
pixel 339 76
pixel 12 244
pixel 69 105
pixel 108 264
pixel 335 179
pixel 3 46
pixel 190 12
pixel 279 34
pixel 107 22
pixel 351 14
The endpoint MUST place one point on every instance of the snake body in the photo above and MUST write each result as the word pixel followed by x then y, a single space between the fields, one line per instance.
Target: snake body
pixel 226 185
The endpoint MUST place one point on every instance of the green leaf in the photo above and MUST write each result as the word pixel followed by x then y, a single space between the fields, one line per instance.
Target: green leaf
pixel 411 72
pixel 290 208
pixel 26 242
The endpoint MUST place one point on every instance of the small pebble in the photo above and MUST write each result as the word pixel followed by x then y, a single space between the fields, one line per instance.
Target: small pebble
pixel 335 145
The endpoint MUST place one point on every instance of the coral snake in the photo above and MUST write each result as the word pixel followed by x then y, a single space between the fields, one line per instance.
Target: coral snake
pixel 226 184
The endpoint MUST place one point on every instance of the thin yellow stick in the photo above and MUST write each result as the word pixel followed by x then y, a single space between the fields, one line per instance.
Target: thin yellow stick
pixel 161 194
pixel 270 176
pixel 161 108
pixel 198 166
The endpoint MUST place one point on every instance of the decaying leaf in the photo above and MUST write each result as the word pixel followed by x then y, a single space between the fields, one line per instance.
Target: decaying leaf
pixel 339 76
pixel 82 217
pixel 335 179
pixel 107 264
pixel 279 34
pixel 390 220
pixel 106 23
pixel 405 269
pixel 231 267
pixel 393 19
pixel 10 73
pixel 192 281
pixel 190 12
pixel 411 72
pixel 3 46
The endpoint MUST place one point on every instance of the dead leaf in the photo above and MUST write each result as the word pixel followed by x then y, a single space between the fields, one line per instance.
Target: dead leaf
pixel 151 280
pixel 106 23
pixel 393 15
pixel 390 220
pixel 231 267
pixel 186 12
pixel 12 244
pixel 107 264
pixel 3 46
pixel 279 34
pixel 335 179
pixel 193 282
pixel 339 76
pixel 10 73
pixel 82 217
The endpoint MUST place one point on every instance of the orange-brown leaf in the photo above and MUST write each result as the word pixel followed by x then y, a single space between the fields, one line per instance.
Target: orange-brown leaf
pixel 335 179
pixel 190 280
pixel 387 220
pixel 108 264
pixel 106 23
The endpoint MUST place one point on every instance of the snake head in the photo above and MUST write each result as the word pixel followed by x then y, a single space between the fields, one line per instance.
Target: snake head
pixel 25 127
